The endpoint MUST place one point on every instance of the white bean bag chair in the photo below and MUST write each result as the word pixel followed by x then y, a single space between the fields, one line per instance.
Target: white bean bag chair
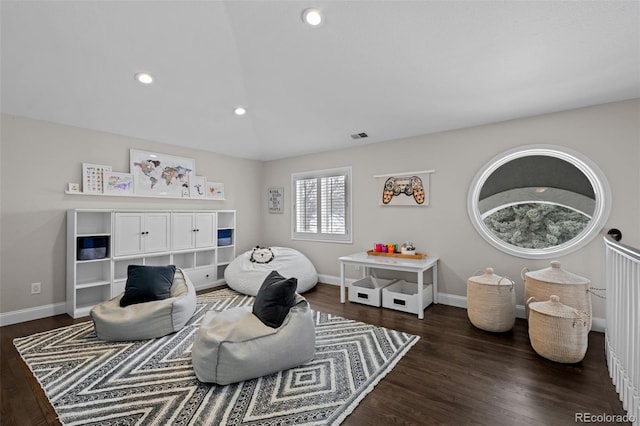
pixel 246 276
pixel 147 320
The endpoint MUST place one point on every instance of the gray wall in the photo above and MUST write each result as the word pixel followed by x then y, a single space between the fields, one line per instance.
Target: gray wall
pixel 39 159
pixel 607 134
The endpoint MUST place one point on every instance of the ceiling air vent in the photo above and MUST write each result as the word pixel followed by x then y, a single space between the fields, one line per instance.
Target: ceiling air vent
pixel 359 135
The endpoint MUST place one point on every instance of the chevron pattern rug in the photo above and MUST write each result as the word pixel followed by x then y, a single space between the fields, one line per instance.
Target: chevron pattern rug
pixel 151 382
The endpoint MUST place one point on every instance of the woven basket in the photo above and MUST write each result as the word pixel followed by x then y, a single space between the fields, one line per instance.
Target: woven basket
pixel 558 332
pixel 572 289
pixel 491 302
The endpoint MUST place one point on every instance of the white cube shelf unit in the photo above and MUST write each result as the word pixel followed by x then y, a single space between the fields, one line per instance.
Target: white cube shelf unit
pixel 101 244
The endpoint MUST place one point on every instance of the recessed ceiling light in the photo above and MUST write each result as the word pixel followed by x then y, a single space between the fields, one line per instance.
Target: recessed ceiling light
pixel 240 110
pixel 312 17
pixel 144 78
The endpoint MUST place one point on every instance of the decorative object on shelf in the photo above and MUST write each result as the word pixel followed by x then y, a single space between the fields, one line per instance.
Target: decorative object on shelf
pixel 404 189
pixel 491 302
pixel 74 187
pixel 571 288
pixel 215 190
pixel 92 177
pixel 558 332
pixel 276 199
pixel 117 183
pixel 408 248
pixel 197 186
pixel 160 174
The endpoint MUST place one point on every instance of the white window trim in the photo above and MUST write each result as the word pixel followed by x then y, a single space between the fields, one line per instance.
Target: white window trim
pixel 346 239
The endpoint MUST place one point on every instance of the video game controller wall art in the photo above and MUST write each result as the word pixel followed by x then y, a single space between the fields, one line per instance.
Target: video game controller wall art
pixel 405 190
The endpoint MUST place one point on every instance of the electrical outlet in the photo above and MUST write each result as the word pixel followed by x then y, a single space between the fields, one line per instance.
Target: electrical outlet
pixel 36 288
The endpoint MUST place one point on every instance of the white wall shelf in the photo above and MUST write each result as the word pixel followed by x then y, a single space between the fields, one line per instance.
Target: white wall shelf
pixel 98 194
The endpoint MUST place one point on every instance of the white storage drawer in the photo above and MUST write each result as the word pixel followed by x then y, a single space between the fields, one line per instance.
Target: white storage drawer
pixel 201 277
pixel 367 290
pixel 403 296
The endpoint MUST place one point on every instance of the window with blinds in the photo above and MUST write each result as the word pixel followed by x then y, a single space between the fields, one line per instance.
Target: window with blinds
pixel 321 207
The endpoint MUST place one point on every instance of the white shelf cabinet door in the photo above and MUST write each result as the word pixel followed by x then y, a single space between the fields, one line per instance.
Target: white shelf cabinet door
pixel 141 233
pixel 193 230
pixel 129 237
pixel 184 231
pixel 206 235
pixel 157 237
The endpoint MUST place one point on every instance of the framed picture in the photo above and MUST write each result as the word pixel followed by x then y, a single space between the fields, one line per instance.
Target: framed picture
pixel 404 189
pixel 215 190
pixel 160 174
pixel 74 187
pixel 197 186
pixel 276 199
pixel 92 175
pixel 117 183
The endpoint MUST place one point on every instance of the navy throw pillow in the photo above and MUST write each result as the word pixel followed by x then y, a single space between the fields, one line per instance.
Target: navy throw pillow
pixel 274 299
pixel 147 283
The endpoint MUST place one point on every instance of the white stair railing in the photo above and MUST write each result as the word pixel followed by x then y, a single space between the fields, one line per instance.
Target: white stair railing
pixel 622 333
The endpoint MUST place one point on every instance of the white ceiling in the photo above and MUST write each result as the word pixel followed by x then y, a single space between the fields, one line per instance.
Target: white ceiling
pixel 391 69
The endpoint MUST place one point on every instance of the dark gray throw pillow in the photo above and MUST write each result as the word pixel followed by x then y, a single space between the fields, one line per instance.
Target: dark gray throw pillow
pixel 274 299
pixel 147 283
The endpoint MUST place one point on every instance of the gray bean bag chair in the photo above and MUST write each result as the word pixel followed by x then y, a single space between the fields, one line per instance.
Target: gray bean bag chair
pixel 234 345
pixel 146 320
pixel 246 276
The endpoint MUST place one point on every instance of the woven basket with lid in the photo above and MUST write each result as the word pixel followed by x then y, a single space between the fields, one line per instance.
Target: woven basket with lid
pixel 491 302
pixel 572 289
pixel 558 332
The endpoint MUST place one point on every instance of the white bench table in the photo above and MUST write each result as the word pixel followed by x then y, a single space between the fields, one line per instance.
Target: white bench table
pixel 417 266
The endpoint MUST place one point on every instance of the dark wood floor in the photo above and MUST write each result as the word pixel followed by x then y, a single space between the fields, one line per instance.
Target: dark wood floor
pixel 455 375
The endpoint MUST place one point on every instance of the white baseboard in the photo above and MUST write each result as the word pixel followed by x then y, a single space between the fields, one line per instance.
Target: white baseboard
pixel 30 314
pixel 598 324
pixel 8 318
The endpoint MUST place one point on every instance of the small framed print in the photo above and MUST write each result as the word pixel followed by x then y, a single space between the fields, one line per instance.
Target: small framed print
pixel 74 187
pixel 197 186
pixel 92 175
pixel 117 183
pixel 276 199
pixel 215 190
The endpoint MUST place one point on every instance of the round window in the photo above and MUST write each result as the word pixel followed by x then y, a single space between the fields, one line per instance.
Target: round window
pixel 539 201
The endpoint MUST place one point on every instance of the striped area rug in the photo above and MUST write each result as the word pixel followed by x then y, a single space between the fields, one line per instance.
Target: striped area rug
pixel 151 382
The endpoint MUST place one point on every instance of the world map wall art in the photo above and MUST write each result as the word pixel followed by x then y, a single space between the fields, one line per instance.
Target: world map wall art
pixel 161 174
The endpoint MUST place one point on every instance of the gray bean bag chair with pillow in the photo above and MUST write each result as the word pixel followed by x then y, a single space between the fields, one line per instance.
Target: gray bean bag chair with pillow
pixel 146 320
pixel 235 345
pixel 246 276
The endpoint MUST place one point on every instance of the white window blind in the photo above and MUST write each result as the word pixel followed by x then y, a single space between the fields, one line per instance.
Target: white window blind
pixel 321 205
